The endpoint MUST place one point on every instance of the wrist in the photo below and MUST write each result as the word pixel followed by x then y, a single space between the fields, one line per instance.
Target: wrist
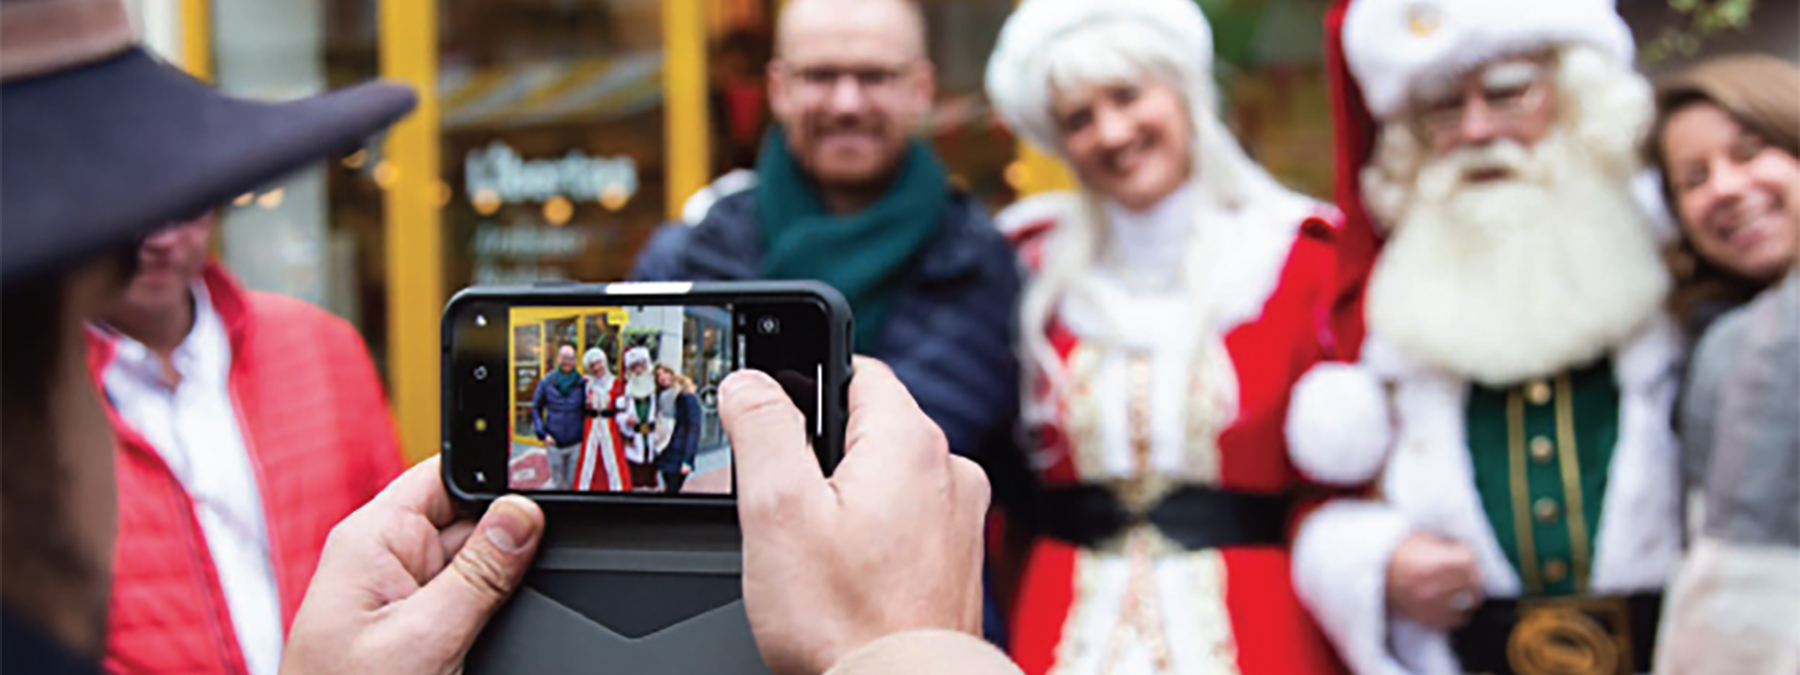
pixel 922 651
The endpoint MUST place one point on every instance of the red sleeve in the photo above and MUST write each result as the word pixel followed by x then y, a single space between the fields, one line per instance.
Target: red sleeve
pixel 1339 314
pixel 1028 242
pixel 363 406
pixel 1338 321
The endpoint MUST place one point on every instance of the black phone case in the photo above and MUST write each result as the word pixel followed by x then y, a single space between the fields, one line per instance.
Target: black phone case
pixel 630 587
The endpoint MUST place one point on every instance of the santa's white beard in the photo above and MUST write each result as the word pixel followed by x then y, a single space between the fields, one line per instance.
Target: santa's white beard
pixel 640 386
pixel 1509 280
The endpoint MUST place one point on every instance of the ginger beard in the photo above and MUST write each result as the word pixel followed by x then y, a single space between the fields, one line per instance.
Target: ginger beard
pixel 1521 277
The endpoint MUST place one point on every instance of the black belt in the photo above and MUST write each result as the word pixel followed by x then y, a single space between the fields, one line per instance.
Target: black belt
pixel 1586 635
pixel 1195 517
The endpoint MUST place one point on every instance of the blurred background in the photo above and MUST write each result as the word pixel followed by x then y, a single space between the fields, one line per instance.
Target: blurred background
pixel 554 135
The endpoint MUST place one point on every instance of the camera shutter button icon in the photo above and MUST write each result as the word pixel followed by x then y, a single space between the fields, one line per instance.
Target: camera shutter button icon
pixel 480 372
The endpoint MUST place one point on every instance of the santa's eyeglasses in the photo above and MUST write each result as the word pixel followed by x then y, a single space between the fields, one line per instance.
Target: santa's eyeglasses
pixel 1505 94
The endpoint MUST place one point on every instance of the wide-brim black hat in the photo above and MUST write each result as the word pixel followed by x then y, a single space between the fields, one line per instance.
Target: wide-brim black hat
pixel 100 145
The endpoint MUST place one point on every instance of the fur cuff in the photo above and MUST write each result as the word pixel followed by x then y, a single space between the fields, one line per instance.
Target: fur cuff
pixel 1338 428
pixel 1340 572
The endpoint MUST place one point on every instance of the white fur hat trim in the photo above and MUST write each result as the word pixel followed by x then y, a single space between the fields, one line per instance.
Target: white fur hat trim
pixel 1393 46
pixel 1017 82
pixel 1338 429
pixel 593 355
pixel 636 356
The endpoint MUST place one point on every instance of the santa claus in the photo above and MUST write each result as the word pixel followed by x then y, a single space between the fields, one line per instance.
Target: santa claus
pixel 638 418
pixel 1174 301
pixel 1513 398
pixel 601 466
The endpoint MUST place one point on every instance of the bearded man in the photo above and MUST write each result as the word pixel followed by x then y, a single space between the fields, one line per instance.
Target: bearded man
pixel 1512 400
pixel 637 418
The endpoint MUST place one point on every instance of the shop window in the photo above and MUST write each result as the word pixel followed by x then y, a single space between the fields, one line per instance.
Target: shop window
pixel 552 138
pixel 960 34
pixel 1271 70
pixel 317 234
pixel 740 44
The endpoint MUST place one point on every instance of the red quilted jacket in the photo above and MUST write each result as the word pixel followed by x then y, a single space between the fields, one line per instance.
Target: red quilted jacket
pixel 316 423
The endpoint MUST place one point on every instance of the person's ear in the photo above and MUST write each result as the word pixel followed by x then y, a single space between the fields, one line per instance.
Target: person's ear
pixel 780 96
pixel 925 87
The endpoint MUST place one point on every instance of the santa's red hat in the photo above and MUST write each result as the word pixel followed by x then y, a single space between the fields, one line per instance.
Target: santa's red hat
pixel 1353 129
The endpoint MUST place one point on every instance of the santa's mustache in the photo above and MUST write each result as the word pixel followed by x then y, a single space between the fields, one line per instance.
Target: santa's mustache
pixel 1472 167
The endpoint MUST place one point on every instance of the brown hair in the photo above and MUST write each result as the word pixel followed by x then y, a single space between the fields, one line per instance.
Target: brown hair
pixel 1762 94
pixel 43 558
pixel 681 382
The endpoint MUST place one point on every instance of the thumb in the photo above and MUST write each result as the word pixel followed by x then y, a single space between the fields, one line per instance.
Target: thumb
pixel 485 572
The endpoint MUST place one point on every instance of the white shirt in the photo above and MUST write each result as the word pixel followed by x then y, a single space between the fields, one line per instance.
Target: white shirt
pixel 194 427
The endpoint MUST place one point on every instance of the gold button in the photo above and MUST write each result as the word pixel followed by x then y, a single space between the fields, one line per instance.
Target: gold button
pixel 1542 449
pixel 1538 392
pixel 1545 509
pixel 1555 571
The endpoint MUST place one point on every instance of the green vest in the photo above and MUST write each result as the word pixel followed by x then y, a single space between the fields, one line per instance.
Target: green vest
pixel 1541 452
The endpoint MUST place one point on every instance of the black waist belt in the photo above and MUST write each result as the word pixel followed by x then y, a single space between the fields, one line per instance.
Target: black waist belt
pixel 1195 517
pixel 1597 635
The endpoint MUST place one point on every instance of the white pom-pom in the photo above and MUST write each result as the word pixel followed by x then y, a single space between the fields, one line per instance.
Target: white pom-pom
pixel 1338 429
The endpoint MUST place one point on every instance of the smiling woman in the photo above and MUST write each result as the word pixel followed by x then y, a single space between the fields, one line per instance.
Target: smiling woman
pixel 1727 139
pixel 1168 298
pixel 1728 142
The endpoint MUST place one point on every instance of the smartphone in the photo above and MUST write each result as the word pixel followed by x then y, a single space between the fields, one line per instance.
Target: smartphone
pixel 610 392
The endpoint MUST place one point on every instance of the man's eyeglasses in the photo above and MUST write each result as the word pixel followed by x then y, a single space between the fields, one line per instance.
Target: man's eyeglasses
pixel 820 81
pixel 1509 92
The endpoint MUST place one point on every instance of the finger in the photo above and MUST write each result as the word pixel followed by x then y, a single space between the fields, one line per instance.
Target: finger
pixel 451 540
pixel 876 386
pixel 768 441
pixel 421 490
pixel 973 492
pixel 1471 569
pixel 906 442
pixel 484 572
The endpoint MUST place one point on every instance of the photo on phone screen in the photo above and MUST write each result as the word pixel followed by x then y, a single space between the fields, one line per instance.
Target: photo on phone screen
pixel 608 393
pixel 619 399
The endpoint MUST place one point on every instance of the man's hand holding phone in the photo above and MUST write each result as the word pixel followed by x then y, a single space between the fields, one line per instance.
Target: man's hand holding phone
pixel 890 543
pixel 404 586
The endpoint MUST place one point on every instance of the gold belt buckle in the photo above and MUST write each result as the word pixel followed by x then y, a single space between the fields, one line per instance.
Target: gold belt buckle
pixel 1562 636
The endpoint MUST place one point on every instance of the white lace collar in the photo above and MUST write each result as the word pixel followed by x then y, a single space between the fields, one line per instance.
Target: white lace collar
pixel 1146 249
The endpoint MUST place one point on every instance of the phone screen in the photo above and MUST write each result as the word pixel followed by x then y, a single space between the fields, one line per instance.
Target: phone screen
pixel 602 396
pixel 619 399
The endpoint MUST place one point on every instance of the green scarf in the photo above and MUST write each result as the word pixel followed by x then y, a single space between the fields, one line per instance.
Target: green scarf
pixel 564 381
pixel 864 254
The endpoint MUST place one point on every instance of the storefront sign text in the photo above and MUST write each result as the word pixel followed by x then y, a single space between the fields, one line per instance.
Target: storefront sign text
pixel 498 171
